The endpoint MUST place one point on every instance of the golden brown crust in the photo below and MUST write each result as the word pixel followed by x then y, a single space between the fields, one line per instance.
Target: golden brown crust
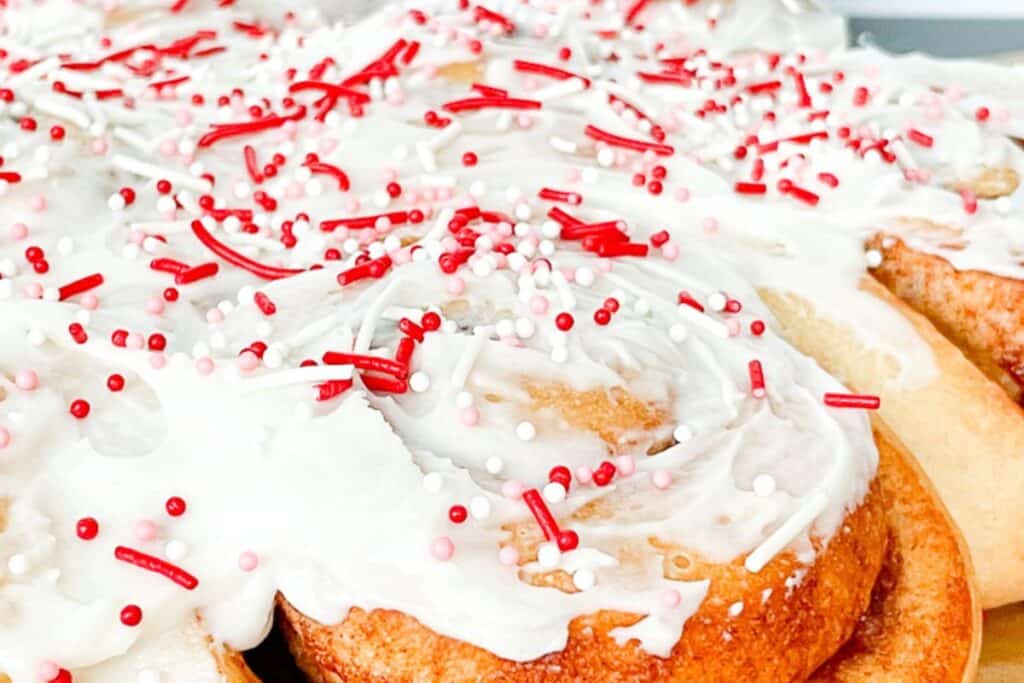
pixel 924 622
pixel 783 637
pixel 963 428
pixel 990 183
pixel 980 312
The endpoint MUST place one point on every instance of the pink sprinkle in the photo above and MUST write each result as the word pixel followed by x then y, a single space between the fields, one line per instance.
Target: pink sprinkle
pixel 27 380
pixel 524 121
pixel 247 361
pixel 135 341
pixel 512 489
pixel 352 205
pixel 168 148
pixel 214 316
pixel 5 438
pixel 661 479
pixel 183 116
pixel 671 598
pixel 154 305
pixel 442 548
pixel 604 265
pixel 710 226
pixel 469 416
pixel 539 304
pixel 456 285
pixel 248 561
pixel 445 193
pixel 37 203
pixel 508 556
pixel 137 237
pixel 670 251
pixel 99 146
pixel 295 190
pixel 625 465
pixel 19 231
pixel 34 290
pixel 158 361
pixel 145 530
pixel 48 670
pixel 584 475
pixel 734 327
pixel 1002 115
pixel 573 175
pixel 204 365
pixel 90 302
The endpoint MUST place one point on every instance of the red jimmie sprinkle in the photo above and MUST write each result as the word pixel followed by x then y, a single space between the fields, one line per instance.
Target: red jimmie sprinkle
pixel 560 196
pixel 756 373
pixel 264 303
pixel 613 249
pixel 403 354
pixel 332 389
pixel 411 329
pixel 524 66
pixel 364 362
pixel 156 565
pixel 542 514
pixel 333 171
pixel 476 103
pixel 388 385
pixel 80 286
pixel 920 138
pixel 864 401
pixel 201 272
pixel 364 222
pixel 750 188
pixel 596 133
pixel 236 259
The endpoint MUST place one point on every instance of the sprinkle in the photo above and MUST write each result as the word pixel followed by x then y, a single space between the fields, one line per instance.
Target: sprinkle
pixel 87 528
pixel 442 548
pixel 920 138
pixel 236 259
pixel 131 615
pixel 156 565
pixel 785 534
pixel 524 66
pixel 661 479
pixel 628 143
pixel 867 402
pixel 477 103
pixel 764 485
pixel 756 373
pixel 248 561
pixel 365 362
pixel 549 194
pixel 750 188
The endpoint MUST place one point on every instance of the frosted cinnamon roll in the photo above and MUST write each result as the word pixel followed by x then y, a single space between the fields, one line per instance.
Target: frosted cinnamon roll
pixel 441 332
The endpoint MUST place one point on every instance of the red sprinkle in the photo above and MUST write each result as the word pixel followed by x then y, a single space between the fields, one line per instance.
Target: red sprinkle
pixel 542 514
pixel 175 506
pixel 596 133
pixel 156 565
pixel 236 259
pixel 920 138
pixel 477 103
pixel 560 196
pixel 564 321
pixel 264 303
pixel 458 513
pixel 87 528
pixel 79 286
pixel 364 362
pixel 866 402
pixel 411 329
pixel 80 408
pixel 757 389
pixel 131 615
pixel 115 382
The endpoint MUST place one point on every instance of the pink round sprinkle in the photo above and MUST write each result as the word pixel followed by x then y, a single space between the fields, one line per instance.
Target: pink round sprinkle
pixel 158 361
pixel 154 305
pixel 625 465
pixel 26 380
pixel 37 203
pixel 34 290
pixel 671 598
pixel 19 231
pixel 670 251
pixel 5 438
pixel 99 146
pixel 661 479
pixel 573 175
pixel 508 556
pixel 538 304
pixel 90 302
pixel 204 365
pixel 135 341
pixel 456 285
pixel 145 530
pixel 168 148
pixel 248 561
pixel 682 194
pixel 48 670
pixel 247 361
pixel 214 316
pixel 584 475
pixel 442 548
pixel 710 225
pixel 512 489
pixel 469 416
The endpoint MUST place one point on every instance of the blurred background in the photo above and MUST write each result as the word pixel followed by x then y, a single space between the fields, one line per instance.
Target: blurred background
pixel 945 28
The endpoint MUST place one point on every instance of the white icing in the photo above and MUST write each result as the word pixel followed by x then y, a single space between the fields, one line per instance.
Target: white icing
pixel 342 500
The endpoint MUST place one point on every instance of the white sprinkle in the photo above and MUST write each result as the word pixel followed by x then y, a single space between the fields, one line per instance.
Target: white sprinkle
pixel 154 172
pixel 785 534
pixel 419 382
pixel 308 375
pixel 526 431
pixel 717 301
pixel 682 434
pixel 494 465
pixel 474 345
pixel 562 145
pixel 525 328
pixel 548 555
pixel 764 485
pixel 478 189
pixel 873 258
pixel 433 481
pixel 606 157
pixel 175 550
pixel 148 676
pixel 584 579
pixel 736 609
pixel 554 492
pixel 678 333
pixel 479 507
pixel 36 337
pixel 17 564
pixel 463 399
pixel 559 354
pixel 584 276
